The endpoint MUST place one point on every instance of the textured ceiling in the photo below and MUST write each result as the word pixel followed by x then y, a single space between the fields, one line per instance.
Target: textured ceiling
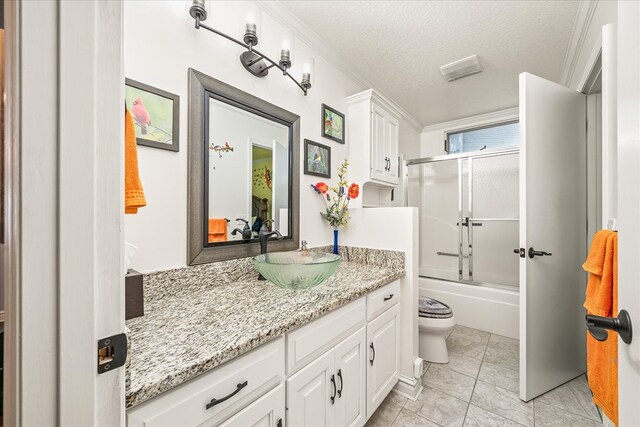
pixel 399 47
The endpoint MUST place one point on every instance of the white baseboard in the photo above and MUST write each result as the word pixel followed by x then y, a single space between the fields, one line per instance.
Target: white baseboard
pixel 408 387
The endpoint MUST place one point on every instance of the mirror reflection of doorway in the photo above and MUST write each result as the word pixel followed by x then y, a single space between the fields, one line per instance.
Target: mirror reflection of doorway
pixel 261 186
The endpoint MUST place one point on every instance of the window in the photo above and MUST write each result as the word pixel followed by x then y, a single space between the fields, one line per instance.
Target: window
pixel 486 138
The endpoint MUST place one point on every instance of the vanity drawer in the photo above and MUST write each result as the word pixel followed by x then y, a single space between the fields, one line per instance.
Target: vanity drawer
pixel 241 381
pixel 308 342
pixel 381 299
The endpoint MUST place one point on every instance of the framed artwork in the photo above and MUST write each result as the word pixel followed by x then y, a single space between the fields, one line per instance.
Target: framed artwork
pixel 332 124
pixel 156 115
pixel 317 159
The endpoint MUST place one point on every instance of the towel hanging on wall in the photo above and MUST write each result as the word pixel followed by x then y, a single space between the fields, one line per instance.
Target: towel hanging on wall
pixel 133 193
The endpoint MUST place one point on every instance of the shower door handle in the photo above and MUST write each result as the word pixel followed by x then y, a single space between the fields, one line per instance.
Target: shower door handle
pixel 534 253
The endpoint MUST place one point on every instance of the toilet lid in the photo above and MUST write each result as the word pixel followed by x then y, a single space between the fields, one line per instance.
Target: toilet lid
pixel 433 309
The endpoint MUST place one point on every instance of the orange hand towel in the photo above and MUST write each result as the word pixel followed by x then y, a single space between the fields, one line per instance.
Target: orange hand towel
pixel 602 300
pixel 133 193
pixel 217 230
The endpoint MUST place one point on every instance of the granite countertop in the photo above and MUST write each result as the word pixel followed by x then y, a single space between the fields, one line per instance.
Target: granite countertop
pixel 197 318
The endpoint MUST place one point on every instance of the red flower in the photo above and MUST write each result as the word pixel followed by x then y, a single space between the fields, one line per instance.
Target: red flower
pixel 354 190
pixel 322 187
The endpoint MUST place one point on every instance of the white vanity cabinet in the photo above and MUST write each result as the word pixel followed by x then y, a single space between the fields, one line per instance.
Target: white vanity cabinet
pixel 373 134
pixel 214 396
pixel 267 411
pixel 308 394
pixel 351 378
pixel 382 367
pixel 331 390
pixel 336 371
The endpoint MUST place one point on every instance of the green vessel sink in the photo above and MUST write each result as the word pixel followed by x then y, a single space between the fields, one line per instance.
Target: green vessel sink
pixel 297 269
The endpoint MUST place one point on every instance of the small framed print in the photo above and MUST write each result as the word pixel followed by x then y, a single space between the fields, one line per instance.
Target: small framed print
pixel 156 115
pixel 332 124
pixel 317 159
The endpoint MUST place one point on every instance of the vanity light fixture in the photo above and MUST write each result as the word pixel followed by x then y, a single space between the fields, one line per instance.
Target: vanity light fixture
pixel 253 61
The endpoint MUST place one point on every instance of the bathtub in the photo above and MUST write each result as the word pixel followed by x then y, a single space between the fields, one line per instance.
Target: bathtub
pixel 490 308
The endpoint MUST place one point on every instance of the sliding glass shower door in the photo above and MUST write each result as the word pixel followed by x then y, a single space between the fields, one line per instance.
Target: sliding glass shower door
pixel 468 216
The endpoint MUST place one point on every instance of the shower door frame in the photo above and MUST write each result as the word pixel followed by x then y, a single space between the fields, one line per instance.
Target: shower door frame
pixel 466 221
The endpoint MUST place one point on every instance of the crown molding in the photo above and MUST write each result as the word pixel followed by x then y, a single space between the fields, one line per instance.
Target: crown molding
pixel 581 25
pixel 372 95
pixel 279 12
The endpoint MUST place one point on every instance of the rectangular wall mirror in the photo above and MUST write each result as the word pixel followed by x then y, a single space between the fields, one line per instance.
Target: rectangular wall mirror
pixel 243 171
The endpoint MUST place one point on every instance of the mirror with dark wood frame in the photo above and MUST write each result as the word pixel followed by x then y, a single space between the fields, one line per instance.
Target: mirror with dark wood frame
pixel 243 172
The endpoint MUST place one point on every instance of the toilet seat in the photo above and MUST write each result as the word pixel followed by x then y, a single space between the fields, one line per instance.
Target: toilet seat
pixel 433 309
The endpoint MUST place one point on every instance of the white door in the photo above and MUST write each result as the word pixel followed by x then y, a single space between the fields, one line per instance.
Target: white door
pixel 378 162
pixel 629 207
pixel 309 394
pixel 350 366
pixel 553 221
pixel 66 217
pixel 382 364
pixel 267 411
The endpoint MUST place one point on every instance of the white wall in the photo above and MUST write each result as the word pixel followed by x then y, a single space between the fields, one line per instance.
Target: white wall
pixel 161 43
pixel 393 229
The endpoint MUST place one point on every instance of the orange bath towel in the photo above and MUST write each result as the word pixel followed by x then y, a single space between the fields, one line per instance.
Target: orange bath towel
pixel 217 230
pixel 602 300
pixel 133 193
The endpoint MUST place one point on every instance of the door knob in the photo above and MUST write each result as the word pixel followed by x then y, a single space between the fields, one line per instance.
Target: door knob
pixel 520 251
pixel 622 325
pixel 534 253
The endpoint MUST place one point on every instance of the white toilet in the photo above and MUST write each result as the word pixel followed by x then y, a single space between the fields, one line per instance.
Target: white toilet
pixel 435 322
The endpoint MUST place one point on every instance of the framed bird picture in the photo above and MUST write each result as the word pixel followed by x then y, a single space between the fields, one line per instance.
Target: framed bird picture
pixel 332 124
pixel 317 159
pixel 156 115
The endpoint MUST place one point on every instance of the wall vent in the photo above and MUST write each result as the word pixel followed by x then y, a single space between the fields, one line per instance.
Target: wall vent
pixel 461 68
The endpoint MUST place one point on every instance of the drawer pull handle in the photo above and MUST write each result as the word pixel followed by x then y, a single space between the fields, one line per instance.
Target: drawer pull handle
pixel 389 297
pixel 341 383
pixel 374 354
pixel 239 387
pixel 333 382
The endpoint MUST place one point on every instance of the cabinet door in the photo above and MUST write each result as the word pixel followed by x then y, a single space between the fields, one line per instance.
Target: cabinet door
pixel 309 394
pixel 267 411
pixel 391 149
pixel 350 367
pixel 382 363
pixel 378 137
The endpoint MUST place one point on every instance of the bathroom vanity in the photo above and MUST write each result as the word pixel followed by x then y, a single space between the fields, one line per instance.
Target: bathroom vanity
pixel 218 347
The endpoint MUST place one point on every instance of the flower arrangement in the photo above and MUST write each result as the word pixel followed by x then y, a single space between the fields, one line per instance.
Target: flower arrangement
pixel 337 205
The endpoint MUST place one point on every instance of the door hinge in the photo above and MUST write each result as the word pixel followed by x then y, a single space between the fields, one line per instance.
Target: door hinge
pixel 112 352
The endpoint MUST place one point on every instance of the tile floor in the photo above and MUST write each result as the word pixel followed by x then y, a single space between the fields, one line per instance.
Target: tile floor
pixel 479 387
